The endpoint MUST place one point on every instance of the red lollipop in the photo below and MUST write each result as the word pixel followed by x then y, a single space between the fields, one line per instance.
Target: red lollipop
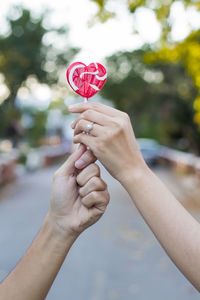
pixel 86 80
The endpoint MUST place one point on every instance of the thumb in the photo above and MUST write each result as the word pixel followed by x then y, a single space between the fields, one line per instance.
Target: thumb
pixel 69 166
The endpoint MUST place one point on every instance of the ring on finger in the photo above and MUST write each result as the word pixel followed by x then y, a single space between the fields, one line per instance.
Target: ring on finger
pixel 89 127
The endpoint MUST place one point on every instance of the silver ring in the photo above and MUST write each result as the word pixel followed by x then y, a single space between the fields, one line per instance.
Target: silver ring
pixel 89 127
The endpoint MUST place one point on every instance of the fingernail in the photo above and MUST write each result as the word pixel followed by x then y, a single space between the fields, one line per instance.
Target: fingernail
pixel 79 164
pixel 70 107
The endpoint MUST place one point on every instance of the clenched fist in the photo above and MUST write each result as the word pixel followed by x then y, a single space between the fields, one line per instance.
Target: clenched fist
pixel 78 198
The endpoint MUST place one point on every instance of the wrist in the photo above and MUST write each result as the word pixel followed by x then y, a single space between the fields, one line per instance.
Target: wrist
pixel 60 235
pixel 134 174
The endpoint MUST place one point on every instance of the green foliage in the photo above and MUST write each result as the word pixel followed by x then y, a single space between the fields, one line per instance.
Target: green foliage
pixel 134 4
pixel 8 113
pixel 157 97
pixel 59 104
pixel 186 53
pixel 23 53
pixel 38 129
pixel 101 3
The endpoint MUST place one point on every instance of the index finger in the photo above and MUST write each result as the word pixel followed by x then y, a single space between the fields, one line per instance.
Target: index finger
pixel 99 107
pixel 86 159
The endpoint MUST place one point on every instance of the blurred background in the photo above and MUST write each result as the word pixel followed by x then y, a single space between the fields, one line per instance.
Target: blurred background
pixel 151 50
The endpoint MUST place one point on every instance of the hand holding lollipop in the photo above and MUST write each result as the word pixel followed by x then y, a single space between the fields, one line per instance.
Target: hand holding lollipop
pixel 86 81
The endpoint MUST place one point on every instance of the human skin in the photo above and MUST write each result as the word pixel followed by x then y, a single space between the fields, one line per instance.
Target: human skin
pixel 78 200
pixel 113 142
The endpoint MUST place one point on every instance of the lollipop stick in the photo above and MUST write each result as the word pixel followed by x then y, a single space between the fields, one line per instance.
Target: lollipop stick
pixel 85 101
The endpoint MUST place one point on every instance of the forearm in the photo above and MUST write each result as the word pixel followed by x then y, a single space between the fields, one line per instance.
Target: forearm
pixel 174 227
pixel 35 273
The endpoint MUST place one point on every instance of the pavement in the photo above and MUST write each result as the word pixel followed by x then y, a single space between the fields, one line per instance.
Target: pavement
pixel 118 258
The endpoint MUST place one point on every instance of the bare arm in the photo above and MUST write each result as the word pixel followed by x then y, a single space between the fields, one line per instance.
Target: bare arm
pixel 78 200
pixel 177 231
pixel 34 275
pixel 113 142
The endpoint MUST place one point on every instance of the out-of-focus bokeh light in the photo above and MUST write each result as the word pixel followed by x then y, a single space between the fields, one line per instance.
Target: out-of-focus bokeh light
pixel 5 146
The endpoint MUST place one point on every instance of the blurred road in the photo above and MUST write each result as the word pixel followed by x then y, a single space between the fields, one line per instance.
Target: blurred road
pixel 118 258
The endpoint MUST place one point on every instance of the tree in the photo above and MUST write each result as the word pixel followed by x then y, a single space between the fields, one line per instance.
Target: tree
pixel 157 97
pixel 160 8
pixel 186 53
pixel 24 53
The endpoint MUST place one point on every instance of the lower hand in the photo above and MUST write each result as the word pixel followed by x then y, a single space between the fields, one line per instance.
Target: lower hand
pixel 78 199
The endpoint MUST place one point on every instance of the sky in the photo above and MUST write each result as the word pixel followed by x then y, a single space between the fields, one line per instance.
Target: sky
pixel 94 41
pixel 102 40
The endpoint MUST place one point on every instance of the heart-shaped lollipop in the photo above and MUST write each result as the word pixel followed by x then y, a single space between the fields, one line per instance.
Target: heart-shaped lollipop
pixel 86 80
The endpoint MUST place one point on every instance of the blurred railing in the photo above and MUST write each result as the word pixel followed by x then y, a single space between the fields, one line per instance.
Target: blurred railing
pixel 187 162
pixel 36 158
pixel 49 155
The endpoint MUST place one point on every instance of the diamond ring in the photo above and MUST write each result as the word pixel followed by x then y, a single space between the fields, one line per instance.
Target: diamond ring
pixel 89 127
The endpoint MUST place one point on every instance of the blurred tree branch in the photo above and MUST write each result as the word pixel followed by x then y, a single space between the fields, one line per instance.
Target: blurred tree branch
pixel 186 53
pixel 158 97
pixel 23 52
pixel 161 9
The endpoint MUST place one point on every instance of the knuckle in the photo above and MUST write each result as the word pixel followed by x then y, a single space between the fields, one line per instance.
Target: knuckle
pixel 102 185
pixel 94 195
pixel 83 115
pixel 101 212
pixel 78 179
pixel 117 126
pixel 125 116
pixel 95 170
pixel 80 123
pixel 89 156
pixel 120 124
pixel 87 113
pixel 84 201
pixel 107 197
pixel 95 182
pixel 105 185
pixel 77 138
pixel 76 124
pixel 81 192
pixel 96 105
